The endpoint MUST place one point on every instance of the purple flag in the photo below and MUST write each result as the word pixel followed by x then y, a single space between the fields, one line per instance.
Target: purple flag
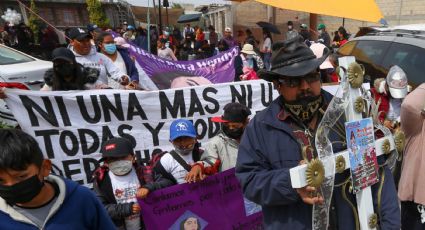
pixel 214 203
pixel 164 73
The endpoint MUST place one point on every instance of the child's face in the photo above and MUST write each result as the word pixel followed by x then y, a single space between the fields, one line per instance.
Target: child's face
pixel 10 177
pixel 113 159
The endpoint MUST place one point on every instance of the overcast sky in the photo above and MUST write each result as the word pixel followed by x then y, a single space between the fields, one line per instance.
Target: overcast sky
pixel 196 2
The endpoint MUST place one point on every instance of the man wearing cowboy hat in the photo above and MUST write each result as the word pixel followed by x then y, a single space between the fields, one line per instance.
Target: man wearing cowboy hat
pixel 281 136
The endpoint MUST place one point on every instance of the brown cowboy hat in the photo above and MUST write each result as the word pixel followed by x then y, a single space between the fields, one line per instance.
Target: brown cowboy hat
pixel 292 58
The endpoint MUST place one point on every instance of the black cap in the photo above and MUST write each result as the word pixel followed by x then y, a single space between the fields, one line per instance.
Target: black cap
pixel 233 112
pixel 63 54
pixel 117 147
pixel 78 34
pixel 91 27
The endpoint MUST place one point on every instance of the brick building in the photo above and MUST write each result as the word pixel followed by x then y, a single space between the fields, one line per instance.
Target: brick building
pixel 71 13
pixel 246 14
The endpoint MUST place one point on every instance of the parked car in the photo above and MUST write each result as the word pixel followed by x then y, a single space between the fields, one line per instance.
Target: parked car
pixel 19 70
pixel 380 49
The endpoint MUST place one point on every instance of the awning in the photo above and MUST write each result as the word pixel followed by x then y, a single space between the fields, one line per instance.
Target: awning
pixel 189 18
pixel 363 10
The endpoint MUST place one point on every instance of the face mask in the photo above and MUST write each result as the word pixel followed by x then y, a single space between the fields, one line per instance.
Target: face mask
pixel 65 69
pixel 110 48
pixel 183 151
pixel 23 191
pixel 167 45
pixel 121 167
pixel 320 31
pixel 289 27
pixel 232 133
pixel 304 109
pixel 249 56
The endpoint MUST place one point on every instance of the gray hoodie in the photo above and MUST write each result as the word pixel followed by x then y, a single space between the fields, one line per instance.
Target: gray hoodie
pixel 104 64
pixel 221 148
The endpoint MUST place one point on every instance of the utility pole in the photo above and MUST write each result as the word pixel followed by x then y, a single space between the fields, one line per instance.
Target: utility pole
pixel 313 26
pixel 166 5
pixel 160 17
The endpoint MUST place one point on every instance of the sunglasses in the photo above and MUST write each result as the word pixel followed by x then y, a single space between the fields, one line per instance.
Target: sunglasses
pixel 296 82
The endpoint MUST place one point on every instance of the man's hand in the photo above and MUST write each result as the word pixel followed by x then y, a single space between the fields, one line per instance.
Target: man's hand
pixel 2 94
pixel 142 193
pixel 389 125
pixel 132 85
pixel 124 80
pixel 135 209
pixel 195 174
pixel 309 196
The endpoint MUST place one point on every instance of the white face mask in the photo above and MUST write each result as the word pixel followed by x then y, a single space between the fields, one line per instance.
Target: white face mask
pixel 320 31
pixel 121 167
pixel 289 27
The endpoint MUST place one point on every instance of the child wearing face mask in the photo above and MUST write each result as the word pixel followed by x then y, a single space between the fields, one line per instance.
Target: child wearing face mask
pixel 118 181
pixel 175 165
pixel 224 147
pixel 31 198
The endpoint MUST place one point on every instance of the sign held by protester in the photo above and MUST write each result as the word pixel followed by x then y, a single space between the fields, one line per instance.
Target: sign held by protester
pixel 214 203
pixel 362 153
pixel 173 74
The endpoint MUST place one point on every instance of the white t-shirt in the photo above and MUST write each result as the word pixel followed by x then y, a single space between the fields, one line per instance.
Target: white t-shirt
pixel 267 44
pixel 119 62
pixel 125 189
pixel 165 53
pixel 174 168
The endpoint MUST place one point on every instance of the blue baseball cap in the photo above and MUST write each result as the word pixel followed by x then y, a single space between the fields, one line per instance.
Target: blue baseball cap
pixel 182 128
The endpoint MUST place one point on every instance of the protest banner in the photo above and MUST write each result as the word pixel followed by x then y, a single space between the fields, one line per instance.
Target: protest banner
pixel 214 203
pixel 70 126
pixel 167 74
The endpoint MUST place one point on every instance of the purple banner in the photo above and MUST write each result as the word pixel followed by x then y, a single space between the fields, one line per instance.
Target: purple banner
pixel 214 203
pixel 164 73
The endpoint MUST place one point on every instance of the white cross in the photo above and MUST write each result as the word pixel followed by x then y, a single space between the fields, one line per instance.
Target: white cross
pixel 364 197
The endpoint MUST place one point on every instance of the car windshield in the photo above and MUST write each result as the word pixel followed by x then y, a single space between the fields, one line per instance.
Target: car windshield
pixel 9 56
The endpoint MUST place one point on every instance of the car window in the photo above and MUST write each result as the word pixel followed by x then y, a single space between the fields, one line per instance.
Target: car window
pixel 9 56
pixel 347 48
pixel 370 51
pixel 408 57
pixel 370 54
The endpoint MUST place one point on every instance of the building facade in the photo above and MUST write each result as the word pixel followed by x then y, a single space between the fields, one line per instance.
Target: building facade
pixel 71 13
pixel 241 15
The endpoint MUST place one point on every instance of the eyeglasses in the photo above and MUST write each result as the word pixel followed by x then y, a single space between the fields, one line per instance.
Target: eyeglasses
pixel 296 82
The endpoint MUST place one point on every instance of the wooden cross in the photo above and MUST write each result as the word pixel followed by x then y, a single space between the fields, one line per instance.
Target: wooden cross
pixel 364 197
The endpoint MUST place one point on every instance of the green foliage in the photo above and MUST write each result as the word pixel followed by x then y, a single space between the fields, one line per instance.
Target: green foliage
pixel 4 126
pixel 176 6
pixel 33 21
pixel 96 14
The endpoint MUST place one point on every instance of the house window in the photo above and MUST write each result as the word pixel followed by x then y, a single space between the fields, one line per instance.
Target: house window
pixel 69 17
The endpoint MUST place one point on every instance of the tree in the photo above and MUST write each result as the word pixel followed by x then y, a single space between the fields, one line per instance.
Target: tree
pixel 96 14
pixel 33 21
pixel 176 6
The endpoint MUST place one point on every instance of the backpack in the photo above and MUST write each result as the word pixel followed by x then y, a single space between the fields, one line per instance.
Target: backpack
pixel 154 166
pixel 148 170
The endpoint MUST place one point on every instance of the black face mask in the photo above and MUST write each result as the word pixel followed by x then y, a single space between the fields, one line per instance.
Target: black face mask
pixel 305 108
pixel 65 69
pixel 232 133
pixel 23 191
